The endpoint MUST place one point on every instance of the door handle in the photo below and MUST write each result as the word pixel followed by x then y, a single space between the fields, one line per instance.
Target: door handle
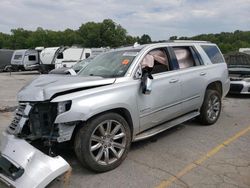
pixel 203 73
pixel 173 81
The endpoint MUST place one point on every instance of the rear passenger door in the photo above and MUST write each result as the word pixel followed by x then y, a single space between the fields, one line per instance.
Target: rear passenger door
pixel 192 77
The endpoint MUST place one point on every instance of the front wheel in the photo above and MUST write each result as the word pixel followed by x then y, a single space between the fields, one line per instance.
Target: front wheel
pixel 103 142
pixel 211 107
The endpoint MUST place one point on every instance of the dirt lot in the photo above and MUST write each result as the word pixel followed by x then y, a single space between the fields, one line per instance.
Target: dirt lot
pixel 188 155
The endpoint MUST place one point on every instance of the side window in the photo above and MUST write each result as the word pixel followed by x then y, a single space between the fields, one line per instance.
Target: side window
pixel 156 61
pixel 213 53
pixel 184 57
pixel 18 57
pixel 87 55
pixel 32 58
pixel 60 56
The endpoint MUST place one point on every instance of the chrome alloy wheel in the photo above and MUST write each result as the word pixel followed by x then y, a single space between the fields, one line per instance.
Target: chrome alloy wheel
pixel 107 142
pixel 213 107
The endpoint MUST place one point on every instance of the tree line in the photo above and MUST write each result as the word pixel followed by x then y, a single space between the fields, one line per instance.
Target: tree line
pixel 90 34
pixel 227 41
pixel 108 33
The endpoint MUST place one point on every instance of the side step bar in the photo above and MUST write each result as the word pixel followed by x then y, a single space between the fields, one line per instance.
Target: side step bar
pixel 162 127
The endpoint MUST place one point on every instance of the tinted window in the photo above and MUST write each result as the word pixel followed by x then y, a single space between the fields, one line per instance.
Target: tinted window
pixel 87 55
pixel 213 53
pixel 60 56
pixel 32 58
pixel 184 57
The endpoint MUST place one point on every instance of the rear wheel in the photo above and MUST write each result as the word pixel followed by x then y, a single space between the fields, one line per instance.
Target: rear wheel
pixel 103 143
pixel 211 107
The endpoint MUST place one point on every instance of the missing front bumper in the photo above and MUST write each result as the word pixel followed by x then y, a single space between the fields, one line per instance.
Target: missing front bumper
pixel 35 168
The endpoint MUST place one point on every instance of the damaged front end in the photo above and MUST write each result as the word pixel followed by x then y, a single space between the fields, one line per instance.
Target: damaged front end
pixel 22 161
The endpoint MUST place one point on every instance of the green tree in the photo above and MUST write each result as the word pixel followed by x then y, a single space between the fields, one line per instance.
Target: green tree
pixel 19 37
pixel 90 34
pixel 173 38
pixel 38 38
pixel 112 34
pixel 145 39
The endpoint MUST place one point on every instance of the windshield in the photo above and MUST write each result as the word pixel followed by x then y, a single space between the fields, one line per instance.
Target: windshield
pixel 81 64
pixel 110 64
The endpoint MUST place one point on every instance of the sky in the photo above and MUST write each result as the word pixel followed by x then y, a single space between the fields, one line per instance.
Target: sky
pixel 158 18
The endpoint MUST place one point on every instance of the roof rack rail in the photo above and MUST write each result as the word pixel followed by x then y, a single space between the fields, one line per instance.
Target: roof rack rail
pixel 191 41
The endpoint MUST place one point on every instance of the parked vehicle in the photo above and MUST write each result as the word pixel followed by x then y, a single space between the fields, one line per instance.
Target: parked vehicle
pixel 122 96
pixel 71 56
pixel 239 72
pixel 5 58
pixel 74 69
pixel 26 59
pixel 48 57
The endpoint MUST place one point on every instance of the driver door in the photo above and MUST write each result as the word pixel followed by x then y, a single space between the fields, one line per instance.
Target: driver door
pixel 163 103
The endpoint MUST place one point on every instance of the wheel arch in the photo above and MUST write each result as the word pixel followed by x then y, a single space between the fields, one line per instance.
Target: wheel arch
pixel 216 85
pixel 121 111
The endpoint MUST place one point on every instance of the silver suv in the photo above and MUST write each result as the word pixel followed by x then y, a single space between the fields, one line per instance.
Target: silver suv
pixel 122 96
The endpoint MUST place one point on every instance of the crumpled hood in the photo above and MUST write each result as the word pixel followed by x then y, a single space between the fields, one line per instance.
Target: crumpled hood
pixel 45 86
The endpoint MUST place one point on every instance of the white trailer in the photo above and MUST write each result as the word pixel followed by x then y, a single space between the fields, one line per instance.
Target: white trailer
pixel 5 58
pixel 48 57
pixel 25 59
pixel 245 50
pixel 71 56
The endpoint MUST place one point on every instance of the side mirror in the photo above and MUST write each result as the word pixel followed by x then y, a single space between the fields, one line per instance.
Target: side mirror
pixel 147 80
pixel 138 73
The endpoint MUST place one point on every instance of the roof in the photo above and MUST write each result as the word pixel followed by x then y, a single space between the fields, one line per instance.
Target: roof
pixel 139 47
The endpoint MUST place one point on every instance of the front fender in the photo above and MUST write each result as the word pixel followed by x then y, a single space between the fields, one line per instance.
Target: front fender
pixel 85 107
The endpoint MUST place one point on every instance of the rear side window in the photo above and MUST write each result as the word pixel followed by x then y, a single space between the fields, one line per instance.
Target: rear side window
pixel 184 57
pixel 213 53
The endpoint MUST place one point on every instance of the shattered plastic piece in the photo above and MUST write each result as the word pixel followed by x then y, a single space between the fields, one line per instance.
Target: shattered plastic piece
pixel 39 168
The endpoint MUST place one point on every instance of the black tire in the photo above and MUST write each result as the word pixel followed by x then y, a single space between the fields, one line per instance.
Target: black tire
pixel 84 140
pixel 206 113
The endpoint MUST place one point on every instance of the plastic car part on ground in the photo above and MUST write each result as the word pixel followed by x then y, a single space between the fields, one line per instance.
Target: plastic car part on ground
pixel 22 165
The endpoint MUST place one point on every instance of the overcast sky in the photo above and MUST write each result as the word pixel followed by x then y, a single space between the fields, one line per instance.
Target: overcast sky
pixel 158 18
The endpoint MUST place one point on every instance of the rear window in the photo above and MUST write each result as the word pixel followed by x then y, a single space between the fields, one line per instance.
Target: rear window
pixel 213 53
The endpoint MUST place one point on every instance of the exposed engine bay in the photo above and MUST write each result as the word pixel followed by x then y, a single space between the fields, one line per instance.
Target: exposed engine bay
pixel 35 121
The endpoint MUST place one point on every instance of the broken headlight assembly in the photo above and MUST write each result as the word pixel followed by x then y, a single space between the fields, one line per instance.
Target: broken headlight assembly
pixel 63 106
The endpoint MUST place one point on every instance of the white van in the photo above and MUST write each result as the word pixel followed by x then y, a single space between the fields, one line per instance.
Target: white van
pixel 25 59
pixel 71 56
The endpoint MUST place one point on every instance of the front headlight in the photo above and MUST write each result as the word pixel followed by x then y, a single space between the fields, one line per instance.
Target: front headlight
pixel 63 106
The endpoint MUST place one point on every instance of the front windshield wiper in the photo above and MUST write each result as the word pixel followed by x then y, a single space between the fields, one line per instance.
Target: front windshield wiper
pixel 96 75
